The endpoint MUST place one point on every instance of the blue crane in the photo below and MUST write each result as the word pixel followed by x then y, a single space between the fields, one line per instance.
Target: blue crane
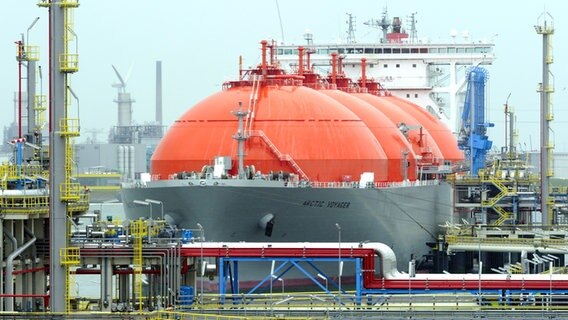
pixel 473 132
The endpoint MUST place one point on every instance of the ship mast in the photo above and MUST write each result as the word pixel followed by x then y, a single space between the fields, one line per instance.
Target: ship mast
pixel 241 136
pixel 350 28
pixel 382 24
pixel 413 31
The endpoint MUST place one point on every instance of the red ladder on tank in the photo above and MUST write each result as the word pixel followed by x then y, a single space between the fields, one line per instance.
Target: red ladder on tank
pixel 280 155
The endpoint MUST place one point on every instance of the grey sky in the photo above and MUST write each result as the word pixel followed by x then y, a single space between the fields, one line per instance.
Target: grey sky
pixel 199 43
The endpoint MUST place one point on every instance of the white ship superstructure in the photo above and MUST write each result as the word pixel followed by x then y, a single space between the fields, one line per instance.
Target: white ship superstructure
pixel 429 74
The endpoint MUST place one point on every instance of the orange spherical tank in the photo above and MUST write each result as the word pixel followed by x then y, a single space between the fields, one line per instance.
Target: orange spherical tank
pixel 291 124
pixel 444 138
pixel 385 131
pixel 422 142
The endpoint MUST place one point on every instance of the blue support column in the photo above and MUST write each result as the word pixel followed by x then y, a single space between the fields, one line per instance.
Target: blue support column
pixel 358 278
pixel 222 289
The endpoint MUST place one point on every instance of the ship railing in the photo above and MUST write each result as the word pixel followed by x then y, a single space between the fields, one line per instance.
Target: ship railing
pixel 506 242
pixel 372 185
pixel 328 184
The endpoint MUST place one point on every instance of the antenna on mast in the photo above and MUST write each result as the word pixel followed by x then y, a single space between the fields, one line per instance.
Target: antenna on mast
pixel 413 32
pixel 382 24
pixel 350 28
pixel 280 19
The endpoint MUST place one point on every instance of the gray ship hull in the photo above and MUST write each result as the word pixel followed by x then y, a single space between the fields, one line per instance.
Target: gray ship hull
pixel 405 218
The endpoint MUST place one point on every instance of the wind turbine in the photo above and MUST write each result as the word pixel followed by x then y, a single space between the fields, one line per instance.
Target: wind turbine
pixel 123 99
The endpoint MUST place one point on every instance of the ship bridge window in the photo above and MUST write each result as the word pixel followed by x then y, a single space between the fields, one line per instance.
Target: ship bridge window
pixel 398 65
pixel 280 52
pixel 433 50
pixel 385 65
pixel 350 50
pixel 451 50
pixel 405 50
pixel 414 50
pixel 379 50
pixel 358 50
pixel 371 65
pixel 468 50
pixel 395 50
pixel 480 50
pixel 423 50
pixel 460 50
pixel 288 51
pixel 341 50
pixel 414 65
pixel 323 51
pixel 387 50
pixel 369 50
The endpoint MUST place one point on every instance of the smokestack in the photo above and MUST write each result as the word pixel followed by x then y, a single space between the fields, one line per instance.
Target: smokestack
pixel 159 92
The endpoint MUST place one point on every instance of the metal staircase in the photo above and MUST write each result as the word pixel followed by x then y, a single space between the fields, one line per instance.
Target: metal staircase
pixel 138 231
pixel 282 157
pixel 504 192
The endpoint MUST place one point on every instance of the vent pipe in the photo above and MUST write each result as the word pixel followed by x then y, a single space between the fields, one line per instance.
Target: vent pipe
pixel 300 61
pixel 333 67
pixel 263 66
pixel 363 72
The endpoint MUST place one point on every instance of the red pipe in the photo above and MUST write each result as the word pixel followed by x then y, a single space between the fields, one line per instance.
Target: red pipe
pixel 301 61
pixel 122 271
pixel 308 64
pixel 263 66
pixel 30 270
pixel 363 72
pixel 333 67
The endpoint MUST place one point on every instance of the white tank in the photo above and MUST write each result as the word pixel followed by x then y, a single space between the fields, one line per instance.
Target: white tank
pixel 132 162
pixel 120 155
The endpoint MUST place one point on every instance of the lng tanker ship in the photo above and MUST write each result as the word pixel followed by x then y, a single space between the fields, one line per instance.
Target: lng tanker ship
pixel 297 156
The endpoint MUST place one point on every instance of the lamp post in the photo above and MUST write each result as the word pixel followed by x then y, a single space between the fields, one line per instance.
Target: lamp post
pixel 144 203
pixel 29 28
pixel 339 263
pixel 321 276
pixel 151 201
pixel 281 281
pixel 202 230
